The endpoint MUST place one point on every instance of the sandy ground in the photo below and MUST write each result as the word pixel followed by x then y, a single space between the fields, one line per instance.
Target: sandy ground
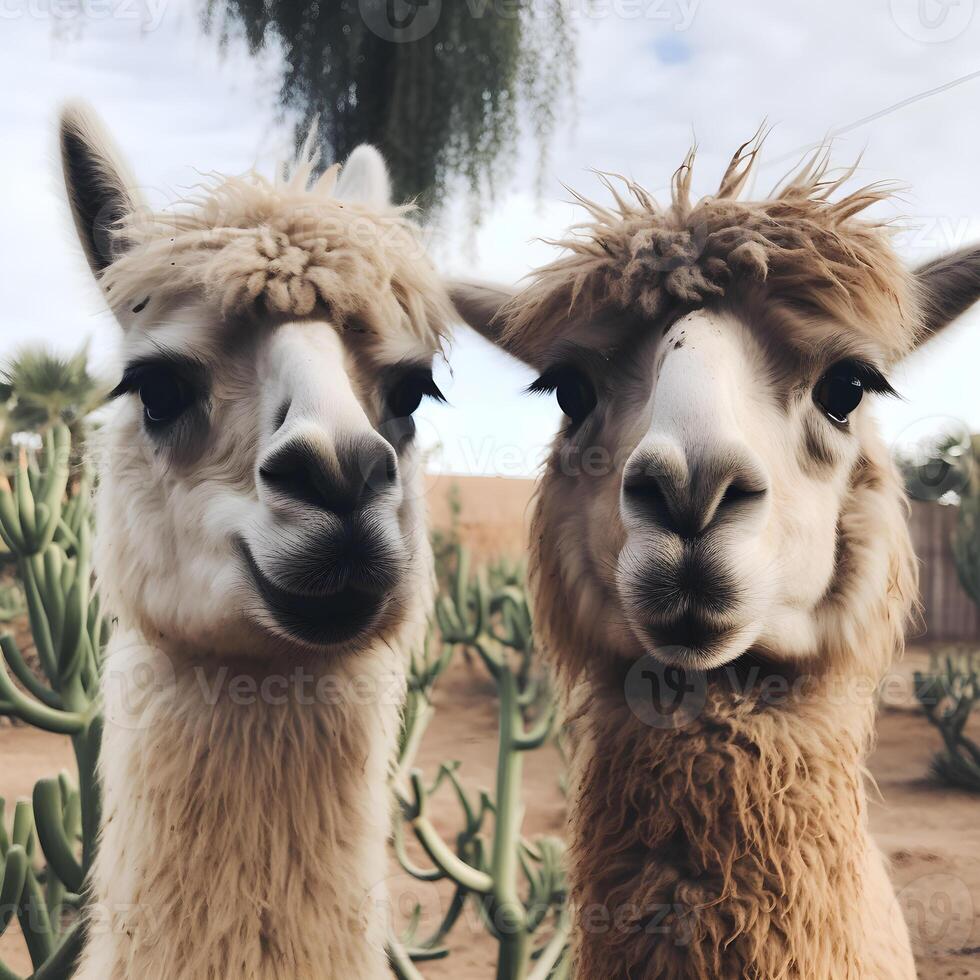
pixel 931 834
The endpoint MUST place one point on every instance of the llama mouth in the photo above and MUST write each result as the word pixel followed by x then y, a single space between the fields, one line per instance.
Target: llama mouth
pixel 690 641
pixel 324 619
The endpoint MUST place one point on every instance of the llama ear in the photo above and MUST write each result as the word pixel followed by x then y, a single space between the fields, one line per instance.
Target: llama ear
pixel 947 287
pixel 364 179
pixel 479 305
pixel 100 190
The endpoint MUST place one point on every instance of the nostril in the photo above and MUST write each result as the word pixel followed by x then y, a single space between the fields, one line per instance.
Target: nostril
pixel 304 472
pixel 279 420
pixel 289 477
pixel 379 468
pixel 740 493
pixel 646 494
pixel 685 496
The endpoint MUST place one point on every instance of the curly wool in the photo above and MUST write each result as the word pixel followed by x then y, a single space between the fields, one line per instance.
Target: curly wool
pixel 799 244
pixel 290 278
pixel 285 248
pixel 750 877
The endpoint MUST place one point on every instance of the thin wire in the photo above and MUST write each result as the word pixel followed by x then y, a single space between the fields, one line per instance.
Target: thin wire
pixel 864 120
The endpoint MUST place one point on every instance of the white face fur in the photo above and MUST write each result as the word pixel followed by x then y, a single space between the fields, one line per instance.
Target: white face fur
pixel 260 484
pixel 260 491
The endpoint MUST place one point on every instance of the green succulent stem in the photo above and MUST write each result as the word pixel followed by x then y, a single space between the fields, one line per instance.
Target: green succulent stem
pixel 60 965
pixel 447 861
pixel 49 819
pixel 510 914
pixel 23 673
pixel 554 961
pixel 401 962
pixel 488 615
pixel 16 866
pixel 948 694
pixel 47 526
pixel 36 713
pixel 35 922
pixel 30 570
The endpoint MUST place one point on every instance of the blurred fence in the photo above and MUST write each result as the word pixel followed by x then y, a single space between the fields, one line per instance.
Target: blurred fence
pixel 948 613
pixel 491 519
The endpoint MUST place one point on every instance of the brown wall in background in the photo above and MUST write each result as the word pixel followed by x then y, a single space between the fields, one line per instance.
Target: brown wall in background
pixel 495 512
pixel 948 612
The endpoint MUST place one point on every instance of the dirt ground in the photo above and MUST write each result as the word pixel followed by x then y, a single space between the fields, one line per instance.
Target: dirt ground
pixel 930 833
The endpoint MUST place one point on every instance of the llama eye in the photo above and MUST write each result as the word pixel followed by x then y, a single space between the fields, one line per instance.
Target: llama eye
pixel 574 392
pixel 407 393
pixel 164 395
pixel 167 387
pixel 841 389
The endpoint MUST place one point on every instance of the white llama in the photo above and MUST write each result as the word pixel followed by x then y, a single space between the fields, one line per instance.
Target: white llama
pixel 722 569
pixel 261 541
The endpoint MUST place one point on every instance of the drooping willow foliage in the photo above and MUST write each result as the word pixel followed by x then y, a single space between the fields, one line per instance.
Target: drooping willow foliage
pixel 441 87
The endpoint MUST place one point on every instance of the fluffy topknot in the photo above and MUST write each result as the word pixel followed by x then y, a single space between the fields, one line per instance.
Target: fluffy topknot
pixel 804 248
pixel 287 247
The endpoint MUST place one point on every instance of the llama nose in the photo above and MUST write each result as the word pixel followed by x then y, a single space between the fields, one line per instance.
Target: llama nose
pixel 687 494
pixel 340 484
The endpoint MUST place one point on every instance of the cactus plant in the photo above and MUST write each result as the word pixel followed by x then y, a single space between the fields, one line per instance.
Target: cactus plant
pixel 948 694
pixel 517 885
pixel 45 522
pixel 40 387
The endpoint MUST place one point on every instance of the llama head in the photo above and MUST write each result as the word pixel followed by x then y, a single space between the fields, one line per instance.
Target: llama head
pixel 260 489
pixel 719 486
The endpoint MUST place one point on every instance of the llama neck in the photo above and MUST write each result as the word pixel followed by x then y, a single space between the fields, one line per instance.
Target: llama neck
pixel 728 846
pixel 246 815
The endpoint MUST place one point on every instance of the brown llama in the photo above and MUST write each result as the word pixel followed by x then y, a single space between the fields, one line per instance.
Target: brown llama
pixel 721 566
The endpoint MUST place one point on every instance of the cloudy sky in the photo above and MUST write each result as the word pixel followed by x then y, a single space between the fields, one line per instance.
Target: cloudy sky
pixel 653 75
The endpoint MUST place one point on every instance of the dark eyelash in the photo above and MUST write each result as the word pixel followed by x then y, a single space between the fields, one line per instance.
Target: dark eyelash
pixel 130 381
pixel 407 368
pixel 189 372
pixel 431 390
pixel 548 382
pixel 542 386
pixel 872 379
pixel 422 374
